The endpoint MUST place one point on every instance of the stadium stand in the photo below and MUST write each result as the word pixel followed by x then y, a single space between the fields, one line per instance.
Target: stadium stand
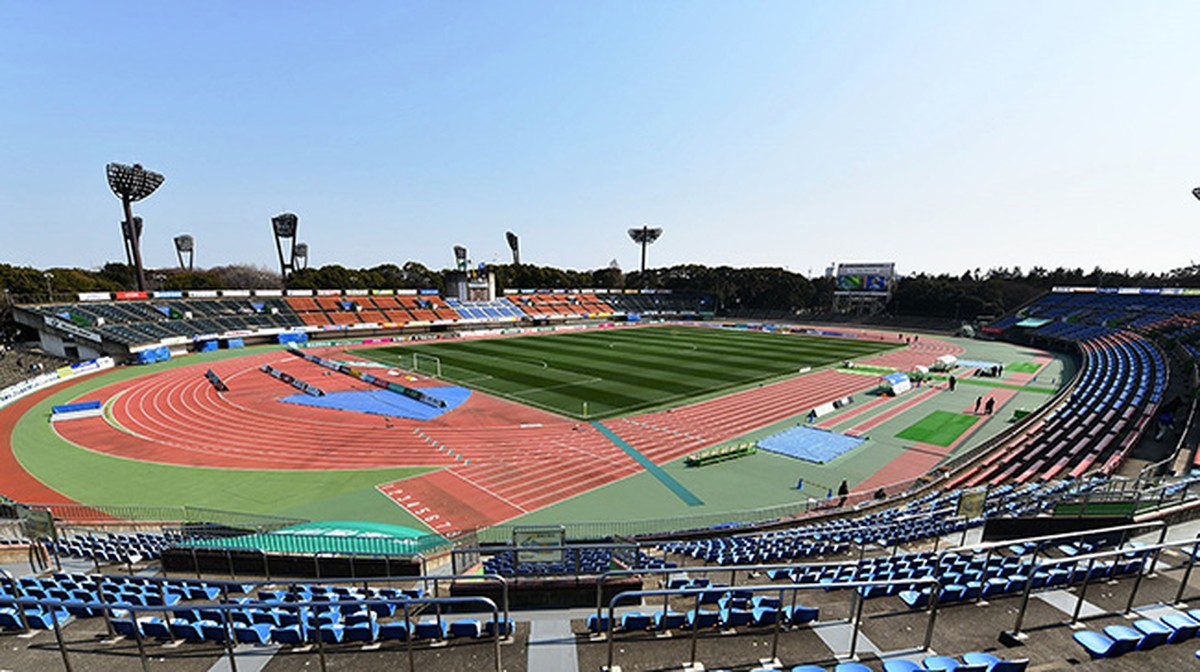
pixel 170 617
pixel 138 319
pixel 1122 382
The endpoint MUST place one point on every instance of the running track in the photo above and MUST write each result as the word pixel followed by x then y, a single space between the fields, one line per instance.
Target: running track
pixel 501 459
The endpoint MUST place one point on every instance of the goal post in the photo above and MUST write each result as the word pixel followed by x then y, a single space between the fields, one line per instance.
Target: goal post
pixel 432 363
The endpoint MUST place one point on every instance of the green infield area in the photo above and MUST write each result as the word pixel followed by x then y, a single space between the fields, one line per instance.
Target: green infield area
pixel 941 428
pixel 1023 367
pixel 618 371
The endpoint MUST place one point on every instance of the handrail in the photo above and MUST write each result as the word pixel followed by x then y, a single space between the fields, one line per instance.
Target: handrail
pixel 1091 558
pixel 987 545
pixel 224 584
pixel 299 607
pixel 795 588
pixel 732 569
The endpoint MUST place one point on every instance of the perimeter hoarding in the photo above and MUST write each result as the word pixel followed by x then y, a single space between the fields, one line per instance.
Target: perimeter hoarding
pixel 530 542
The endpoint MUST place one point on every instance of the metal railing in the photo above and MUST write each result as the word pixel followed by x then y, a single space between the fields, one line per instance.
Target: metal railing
pixel 855 619
pixel 228 638
pixel 104 514
pixel 1147 552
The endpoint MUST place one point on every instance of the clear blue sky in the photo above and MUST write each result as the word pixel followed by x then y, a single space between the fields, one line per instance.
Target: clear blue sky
pixel 941 135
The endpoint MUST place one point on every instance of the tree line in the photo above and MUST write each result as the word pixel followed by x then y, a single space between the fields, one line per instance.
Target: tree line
pixel 971 295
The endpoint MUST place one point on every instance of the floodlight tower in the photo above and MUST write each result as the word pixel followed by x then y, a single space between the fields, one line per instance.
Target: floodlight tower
pixel 644 236
pixel 284 226
pixel 460 257
pixel 133 183
pixel 300 256
pixel 514 245
pixel 185 244
pixel 128 235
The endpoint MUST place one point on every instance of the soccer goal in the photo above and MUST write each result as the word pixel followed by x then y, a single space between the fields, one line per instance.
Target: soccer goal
pixel 427 364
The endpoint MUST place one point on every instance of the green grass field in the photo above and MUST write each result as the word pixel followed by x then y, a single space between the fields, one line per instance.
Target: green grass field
pixel 940 428
pixel 618 371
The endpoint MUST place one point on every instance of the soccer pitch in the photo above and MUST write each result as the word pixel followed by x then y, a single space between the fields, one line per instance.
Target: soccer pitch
pixel 619 371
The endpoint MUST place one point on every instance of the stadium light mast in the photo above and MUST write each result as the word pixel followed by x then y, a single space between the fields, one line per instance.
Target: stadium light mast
pixel 300 256
pixel 644 236
pixel 130 184
pixel 185 245
pixel 126 236
pixel 460 257
pixel 284 227
pixel 514 245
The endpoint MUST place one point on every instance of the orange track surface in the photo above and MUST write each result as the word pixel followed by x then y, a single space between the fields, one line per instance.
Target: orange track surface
pixel 501 459
pixel 16 483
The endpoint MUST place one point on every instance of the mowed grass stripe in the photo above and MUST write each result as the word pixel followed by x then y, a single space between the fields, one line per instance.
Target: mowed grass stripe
pixel 623 370
pixel 582 357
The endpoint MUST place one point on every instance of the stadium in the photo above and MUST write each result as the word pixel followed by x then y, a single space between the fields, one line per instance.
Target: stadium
pixel 343 476
pixel 793 366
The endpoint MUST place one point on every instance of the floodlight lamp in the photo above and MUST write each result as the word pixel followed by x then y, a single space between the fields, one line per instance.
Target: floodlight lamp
pixel 285 225
pixel 512 240
pixel 184 243
pixel 132 183
pixel 300 256
pixel 645 235
pixel 460 253
pixel 1196 192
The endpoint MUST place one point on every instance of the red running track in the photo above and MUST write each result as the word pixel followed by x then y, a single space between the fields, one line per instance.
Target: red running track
pixel 501 459
pixel 16 483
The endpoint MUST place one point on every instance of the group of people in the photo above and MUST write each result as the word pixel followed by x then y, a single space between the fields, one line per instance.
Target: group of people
pixel 988 406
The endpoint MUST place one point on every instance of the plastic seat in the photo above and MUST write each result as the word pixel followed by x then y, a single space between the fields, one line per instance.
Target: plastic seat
pixel 255 633
pixel 669 620
pixel 918 599
pixel 367 631
pixel 764 615
pixel 332 633
pixel 801 614
pixel 394 630
pixel 1153 633
pixel 429 630
pixel 156 628
pixel 294 635
pixel 851 667
pixel 506 628
pixel 814 668
pixel 901 665
pixel 1099 645
pixel 1124 635
pixel 635 620
pixel 702 618
pixel 1183 627
pixel 941 663
pixel 186 630
pixel 470 627
pixel 995 664
pixel 735 618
